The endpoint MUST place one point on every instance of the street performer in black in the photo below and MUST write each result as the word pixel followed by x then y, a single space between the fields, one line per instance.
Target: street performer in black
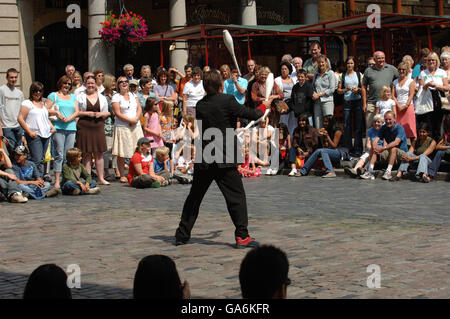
pixel 219 111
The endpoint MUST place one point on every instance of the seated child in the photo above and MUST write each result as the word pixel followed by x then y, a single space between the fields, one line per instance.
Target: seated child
pixel 162 165
pixel 76 179
pixel 185 166
pixel 9 189
pixel 28 176
pixel 141 173
pixel 248 168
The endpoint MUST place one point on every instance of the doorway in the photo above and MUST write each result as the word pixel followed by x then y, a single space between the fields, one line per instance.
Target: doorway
pixel 55 46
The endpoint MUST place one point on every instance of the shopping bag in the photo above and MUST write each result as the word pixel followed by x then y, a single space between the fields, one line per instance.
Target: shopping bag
pixel 424 102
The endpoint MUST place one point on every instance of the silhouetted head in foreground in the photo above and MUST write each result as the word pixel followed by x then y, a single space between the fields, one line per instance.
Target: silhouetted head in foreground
pixel 157 278
pixel 47 282
pixel 264 273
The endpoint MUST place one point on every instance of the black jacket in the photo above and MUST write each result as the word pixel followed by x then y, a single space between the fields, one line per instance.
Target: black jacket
pixel 220 112
pixel 301 99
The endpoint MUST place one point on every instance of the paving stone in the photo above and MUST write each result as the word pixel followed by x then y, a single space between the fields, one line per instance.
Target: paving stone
pixel 330 230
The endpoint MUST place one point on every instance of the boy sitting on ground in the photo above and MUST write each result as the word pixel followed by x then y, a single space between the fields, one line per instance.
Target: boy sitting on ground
pixel 76 179
pixel 162 164
pixel 9 189
pixel 28 176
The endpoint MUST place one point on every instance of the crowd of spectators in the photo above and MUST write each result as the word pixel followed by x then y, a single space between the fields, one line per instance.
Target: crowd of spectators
pixel 144 128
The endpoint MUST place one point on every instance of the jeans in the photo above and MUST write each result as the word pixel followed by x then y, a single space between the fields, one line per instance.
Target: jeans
pixel 14 136
pixel 353 108
pixel 35 191
pixel 38 147
pixel 69 187
pixel 436 163
pixel 63 140
pixel 328 155
pixel 322 109
pixel 423 163
pixel 8 186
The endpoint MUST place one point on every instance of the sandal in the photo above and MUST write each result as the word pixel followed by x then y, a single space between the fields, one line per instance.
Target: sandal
pixel 123 180
pixel 425 179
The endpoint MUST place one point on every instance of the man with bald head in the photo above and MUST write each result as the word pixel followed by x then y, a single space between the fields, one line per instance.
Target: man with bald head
pixel 375 77
pixel 250 68
pixel 297 62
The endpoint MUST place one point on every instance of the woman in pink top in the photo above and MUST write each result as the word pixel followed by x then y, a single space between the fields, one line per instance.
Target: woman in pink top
pixel 403 92
pixel 152 125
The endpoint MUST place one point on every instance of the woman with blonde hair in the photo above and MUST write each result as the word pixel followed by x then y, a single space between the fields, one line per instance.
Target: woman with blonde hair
pixel 127 128
pixel 410 61
pixel 403 91
pixel 324 85
pixel 436 80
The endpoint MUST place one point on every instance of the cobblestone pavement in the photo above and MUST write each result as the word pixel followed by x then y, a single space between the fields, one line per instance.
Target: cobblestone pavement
pixel 330 229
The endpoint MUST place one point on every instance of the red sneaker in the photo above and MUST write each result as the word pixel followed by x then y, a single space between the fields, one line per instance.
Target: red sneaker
pixel 247 242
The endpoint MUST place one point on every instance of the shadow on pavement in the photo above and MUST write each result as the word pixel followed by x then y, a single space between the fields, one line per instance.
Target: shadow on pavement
pixel 203 239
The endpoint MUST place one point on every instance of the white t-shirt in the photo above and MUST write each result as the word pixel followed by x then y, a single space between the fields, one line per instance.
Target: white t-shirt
pixel 127 108
pixel 37 119
pixel 402 91
pixel 182 163
pixel 385 106
pixel 437 78
pixel 81 89
pixel 195 92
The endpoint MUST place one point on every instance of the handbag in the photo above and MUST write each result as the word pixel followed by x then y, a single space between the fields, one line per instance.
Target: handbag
pixel 281 106
pixel 445 101
pixel 299 162
pixel 424 102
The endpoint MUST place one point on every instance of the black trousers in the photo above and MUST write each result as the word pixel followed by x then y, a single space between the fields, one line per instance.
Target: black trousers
pixel 230 184
pixel 355 108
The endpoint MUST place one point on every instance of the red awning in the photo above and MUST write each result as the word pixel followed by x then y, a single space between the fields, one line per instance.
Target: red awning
pixel 387 20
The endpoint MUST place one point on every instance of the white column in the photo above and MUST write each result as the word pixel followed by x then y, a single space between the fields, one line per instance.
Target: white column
pixel 100 56
pixel 248 12
pixel 26 35
pixel 310 12
pixel 179 56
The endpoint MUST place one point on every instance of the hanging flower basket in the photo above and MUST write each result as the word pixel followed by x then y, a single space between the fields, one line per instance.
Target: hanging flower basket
pixel 122 30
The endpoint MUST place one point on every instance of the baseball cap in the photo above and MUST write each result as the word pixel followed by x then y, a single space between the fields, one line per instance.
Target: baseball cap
pixel 143 140
pixel 133 82
pixel 21 150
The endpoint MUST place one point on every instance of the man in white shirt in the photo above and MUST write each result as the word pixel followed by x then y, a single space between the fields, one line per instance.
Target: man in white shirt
pixel 10 101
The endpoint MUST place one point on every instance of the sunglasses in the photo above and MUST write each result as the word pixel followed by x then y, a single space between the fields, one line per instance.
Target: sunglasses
pixel 69 83
pixel 120 82
pixel 37 91
pixel 402 69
